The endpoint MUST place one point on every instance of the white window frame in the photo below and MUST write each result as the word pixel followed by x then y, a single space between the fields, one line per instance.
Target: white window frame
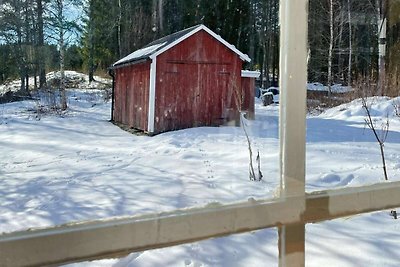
pixel 290 212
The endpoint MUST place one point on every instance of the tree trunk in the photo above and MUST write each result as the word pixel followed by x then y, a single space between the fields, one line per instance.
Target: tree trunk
pixel 26 81
pixel 35 84
pixel 330 52
pixel 20 51
pixel 154 18
pixel 91 42
pixel 263 48
pixel 381 13
pixel 60 16
pixel 275 46
pixel 119 29
pixel 252 33
pixel 160 16
pixel 27 46
pixel 40 45
pixel 340 48
pixel 350 43
pixel 239 33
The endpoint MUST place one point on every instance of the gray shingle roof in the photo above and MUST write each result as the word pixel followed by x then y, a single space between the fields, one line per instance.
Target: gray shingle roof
pixel 169 40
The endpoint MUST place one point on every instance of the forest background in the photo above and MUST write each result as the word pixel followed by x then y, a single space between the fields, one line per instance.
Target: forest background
pixel 38 36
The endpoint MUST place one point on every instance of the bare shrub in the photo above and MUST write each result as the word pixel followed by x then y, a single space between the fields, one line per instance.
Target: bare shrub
pixel 393 83
pixel 46 102
pixel 318 101
pixel 239 100
pixel 367 89
pixel 380 135
pixel 396 106
pixel 3 118
pixel 107 95
pixel 253 176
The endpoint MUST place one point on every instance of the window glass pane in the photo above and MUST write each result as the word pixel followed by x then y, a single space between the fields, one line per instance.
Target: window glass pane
pixel 80 167
pixel 353 119
pixel 343 242
pixel 59 166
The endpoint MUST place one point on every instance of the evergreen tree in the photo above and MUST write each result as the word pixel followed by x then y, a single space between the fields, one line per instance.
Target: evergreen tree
pixel 115 28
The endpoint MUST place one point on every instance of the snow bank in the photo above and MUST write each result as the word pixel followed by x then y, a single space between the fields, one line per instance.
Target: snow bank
pixel 73 80
pixel 379 107
pixel 336 88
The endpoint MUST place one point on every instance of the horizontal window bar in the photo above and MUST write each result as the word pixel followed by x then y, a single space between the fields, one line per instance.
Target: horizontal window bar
pixel 121 236
pixel 337 203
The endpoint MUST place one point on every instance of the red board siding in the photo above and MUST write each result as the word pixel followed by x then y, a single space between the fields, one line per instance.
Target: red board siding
pixel 197 84
pixel 131 95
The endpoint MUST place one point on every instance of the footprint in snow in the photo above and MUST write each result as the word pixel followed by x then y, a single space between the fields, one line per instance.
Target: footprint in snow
pixel 192 263
pixel 332 178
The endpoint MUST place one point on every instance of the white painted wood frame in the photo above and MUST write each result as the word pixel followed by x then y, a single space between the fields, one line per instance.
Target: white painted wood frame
pixel 121 236
pixel 293 18
pixel 152 96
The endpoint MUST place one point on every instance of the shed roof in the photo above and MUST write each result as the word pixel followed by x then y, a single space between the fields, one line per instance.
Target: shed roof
pixel 159 46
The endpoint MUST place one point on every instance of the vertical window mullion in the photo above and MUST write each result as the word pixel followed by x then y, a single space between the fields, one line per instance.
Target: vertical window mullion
pixel 293 82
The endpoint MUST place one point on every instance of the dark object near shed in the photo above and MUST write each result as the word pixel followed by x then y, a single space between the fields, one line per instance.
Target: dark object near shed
pixel 187 79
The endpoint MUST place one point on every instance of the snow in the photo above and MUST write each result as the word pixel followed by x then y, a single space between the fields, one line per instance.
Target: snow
pixel 336 88
pixel 77 79
pixel 250 73
pixel 78 166
pixel 140 53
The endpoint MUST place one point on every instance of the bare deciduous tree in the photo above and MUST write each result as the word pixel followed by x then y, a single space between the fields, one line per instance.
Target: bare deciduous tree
pixel 40 43
pixel 63 27
pixel 60 21
pixel 238 95
pixel 350 43
pixel 381 18
pixel 330 51
pixel 380 135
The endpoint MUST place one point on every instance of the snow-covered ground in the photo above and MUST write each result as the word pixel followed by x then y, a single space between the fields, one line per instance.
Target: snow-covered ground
pixel 335 88
pixel 76 80
pixel 79 166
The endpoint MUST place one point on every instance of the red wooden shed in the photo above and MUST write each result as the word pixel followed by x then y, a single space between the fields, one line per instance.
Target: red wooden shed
pixel 187 79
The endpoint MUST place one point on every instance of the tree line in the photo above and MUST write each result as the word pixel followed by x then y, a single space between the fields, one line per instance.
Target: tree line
pixel 41 35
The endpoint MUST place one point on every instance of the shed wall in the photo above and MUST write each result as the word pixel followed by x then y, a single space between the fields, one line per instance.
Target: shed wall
pixel 197 84
pixel 131 95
